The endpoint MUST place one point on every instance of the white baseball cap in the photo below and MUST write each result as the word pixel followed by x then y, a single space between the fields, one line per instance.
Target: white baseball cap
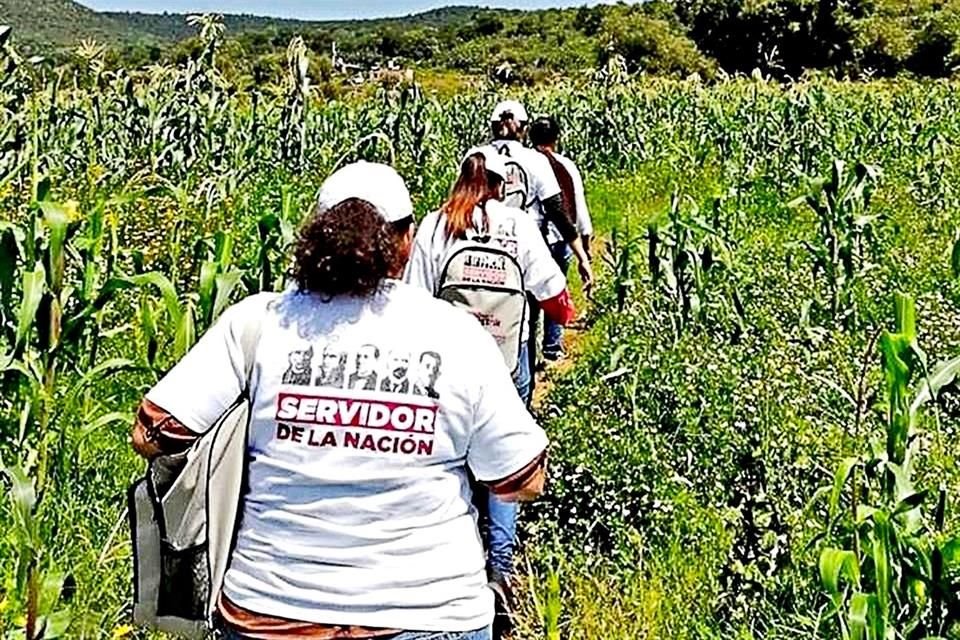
pixel 491 159
pixel 512 107
pixel 378 184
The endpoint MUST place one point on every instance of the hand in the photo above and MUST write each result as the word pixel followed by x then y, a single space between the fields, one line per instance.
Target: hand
pixel 586 276
pixel 583 265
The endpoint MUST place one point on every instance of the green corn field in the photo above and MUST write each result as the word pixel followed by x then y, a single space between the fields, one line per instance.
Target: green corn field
pixel 756 438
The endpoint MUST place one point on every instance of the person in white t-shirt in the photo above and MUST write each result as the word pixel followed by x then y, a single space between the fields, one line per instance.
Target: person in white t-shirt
pixel 358 519
pixel 545 137
pixel 532 186
pixel 475 207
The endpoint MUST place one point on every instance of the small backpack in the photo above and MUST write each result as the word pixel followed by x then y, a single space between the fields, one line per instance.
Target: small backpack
pixel 184 516
pixel 517 184
pixel 487 281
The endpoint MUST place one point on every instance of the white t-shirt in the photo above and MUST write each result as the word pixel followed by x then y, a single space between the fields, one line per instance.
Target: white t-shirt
pixel 512 229
pixel 529 173
pixel 584 223
pixel 366 415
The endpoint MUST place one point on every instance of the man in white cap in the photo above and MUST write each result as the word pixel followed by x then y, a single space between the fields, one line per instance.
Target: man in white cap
pixel 357 521
pixel 532 186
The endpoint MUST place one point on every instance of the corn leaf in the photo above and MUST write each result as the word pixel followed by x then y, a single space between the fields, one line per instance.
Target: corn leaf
pixel 226 284
pixel 186 333
pixel 839 480
pixel 859 616
pixel 951 551
pixel 941 376
pixel 835 564
pixel 57 219
pixel 33 289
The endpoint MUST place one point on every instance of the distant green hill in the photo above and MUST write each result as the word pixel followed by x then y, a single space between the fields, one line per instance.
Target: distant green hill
pixel 62 22
pixel 173 26
pixel 65 23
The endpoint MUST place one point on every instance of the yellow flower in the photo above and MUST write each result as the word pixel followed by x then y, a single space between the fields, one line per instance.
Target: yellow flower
pixel 123 631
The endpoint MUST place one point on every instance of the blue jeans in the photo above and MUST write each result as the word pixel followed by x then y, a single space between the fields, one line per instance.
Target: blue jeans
pixel 498 518
pixel 521 378
pixel 498 529
pixel 227 633
pixel 553 332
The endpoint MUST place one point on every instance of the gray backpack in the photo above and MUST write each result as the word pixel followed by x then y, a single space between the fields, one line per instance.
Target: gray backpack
pixel 184 515
pixel 516 190
pixel 487 281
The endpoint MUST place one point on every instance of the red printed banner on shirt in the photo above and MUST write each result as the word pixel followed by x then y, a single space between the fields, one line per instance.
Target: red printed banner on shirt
pixel 357 411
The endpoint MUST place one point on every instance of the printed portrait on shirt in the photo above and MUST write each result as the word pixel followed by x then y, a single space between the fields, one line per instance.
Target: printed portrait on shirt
pixel 427 375
pixel 365 374
pixel 333 365
pixel 299 366
pixel 396 378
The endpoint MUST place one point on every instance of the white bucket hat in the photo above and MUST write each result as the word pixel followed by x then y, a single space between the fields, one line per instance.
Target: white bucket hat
pixel 378 184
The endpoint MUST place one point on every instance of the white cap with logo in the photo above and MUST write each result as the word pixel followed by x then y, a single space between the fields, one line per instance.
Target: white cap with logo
pixel 491 159
pixel 511 107
pixel 378 184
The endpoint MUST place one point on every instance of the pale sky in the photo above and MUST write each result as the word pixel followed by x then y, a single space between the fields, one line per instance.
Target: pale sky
pixel 320 9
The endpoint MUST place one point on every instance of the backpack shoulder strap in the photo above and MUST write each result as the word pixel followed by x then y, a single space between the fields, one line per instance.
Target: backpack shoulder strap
pixel 249 337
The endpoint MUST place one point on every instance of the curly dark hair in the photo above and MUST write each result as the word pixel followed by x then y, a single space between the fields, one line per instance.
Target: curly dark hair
pixel 348 250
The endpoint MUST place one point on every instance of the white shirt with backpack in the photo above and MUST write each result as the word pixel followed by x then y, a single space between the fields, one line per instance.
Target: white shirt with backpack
pixel 359 506
pixel 509 228
pixel 530 178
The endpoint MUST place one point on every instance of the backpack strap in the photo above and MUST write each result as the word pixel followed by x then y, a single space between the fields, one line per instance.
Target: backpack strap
pixel 249 338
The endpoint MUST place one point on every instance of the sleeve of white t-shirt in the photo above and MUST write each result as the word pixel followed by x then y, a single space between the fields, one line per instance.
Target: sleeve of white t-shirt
pixel 208 380
pixel 584 223
pixel 505 436
pixel 421 270
pixel 541 274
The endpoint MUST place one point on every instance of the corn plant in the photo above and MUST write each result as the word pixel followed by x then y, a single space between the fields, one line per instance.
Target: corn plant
pixel 841 252
pixel 40 590
pixel 620 257
pixel 887 567
pixel 691 272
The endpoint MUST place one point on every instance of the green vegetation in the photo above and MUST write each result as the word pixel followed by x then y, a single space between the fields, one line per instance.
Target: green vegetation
pixel 755 439
pixel 780 38
pixel 61 22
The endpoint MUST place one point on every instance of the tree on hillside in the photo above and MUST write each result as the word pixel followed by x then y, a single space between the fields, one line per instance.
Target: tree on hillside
pixel 782 37
pixel 650 44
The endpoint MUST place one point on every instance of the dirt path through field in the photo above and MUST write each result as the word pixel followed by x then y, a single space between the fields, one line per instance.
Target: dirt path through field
pixel 549 371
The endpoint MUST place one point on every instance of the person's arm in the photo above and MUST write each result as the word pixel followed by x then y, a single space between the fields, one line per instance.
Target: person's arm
pixel 525 485
pixel 420 270
pixel 555 212
pixel 584 222
pixel 156 432
pixel 542 276
pixel 196 392
pixel 507 448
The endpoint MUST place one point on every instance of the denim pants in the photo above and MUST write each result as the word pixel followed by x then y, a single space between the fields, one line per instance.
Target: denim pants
pixel 553 332
pixel 226 633
pixel 498 518
pixel 522 377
